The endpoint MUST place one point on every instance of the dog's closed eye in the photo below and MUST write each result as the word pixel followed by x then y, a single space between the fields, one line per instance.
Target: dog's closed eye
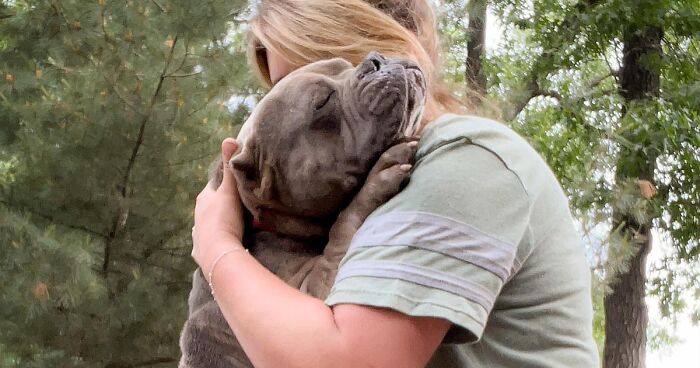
pixel 323 97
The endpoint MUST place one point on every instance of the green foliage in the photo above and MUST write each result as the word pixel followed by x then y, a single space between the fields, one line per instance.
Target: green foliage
pixel 111 113
pixel 660 338
pixel 453 28
pixel 573 117
pixel 557 81
pixel 54 296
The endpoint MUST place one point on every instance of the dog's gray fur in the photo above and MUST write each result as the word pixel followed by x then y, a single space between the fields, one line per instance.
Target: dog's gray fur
pixel 310 168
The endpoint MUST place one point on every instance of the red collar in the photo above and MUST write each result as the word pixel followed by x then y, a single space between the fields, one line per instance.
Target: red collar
pixel 258 225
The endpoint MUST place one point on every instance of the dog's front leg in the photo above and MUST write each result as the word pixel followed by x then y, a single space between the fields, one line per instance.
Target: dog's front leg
pixel 383 182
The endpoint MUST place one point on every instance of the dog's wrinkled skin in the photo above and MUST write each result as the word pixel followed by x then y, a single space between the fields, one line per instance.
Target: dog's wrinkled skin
pixel 318 155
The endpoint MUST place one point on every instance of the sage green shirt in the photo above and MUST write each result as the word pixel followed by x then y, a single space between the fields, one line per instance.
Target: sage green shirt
pixel 482 236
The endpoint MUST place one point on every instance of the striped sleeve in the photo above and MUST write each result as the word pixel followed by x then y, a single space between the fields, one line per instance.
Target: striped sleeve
pixel 443 247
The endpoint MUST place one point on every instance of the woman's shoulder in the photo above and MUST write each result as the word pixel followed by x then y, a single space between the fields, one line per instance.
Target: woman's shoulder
pixel 452 131
pixel 490 134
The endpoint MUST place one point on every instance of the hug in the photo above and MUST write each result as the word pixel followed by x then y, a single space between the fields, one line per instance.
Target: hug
pixel 364 217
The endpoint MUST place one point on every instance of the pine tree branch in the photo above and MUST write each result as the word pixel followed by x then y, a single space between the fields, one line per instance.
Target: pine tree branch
pixel 52 219
pixel 203 106
pixel 103 24
pixel 144 122
pixel 63 68
pixel 113 86
pixel 184 58
pixel 120 218
pixel 161 7
pixel 183 75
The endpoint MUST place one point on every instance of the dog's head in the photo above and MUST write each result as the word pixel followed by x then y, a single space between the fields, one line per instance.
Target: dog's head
pixel 310 142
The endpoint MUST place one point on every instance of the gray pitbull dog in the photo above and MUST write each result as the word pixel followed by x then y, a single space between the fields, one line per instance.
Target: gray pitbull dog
pixel 321 151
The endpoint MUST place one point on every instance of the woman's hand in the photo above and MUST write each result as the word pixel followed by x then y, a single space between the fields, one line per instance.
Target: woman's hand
pixel 218 216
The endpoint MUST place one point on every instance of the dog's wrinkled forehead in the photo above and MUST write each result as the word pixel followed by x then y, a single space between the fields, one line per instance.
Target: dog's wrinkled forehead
pixel 336 69
pixel 330 68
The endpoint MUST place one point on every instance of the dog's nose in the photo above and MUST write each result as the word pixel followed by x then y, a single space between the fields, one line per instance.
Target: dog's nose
pixel 376 59
pixel 372 63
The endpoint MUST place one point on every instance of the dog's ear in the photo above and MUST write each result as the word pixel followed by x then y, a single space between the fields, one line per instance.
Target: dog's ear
pixel 216 173
pixel 245 163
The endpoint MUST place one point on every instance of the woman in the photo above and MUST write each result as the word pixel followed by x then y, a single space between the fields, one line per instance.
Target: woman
pixel 475 263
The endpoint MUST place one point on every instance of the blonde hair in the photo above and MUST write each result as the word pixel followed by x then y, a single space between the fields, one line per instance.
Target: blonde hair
pixel 305 31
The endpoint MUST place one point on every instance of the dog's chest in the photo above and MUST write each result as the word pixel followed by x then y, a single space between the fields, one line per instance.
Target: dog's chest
pixel 281 254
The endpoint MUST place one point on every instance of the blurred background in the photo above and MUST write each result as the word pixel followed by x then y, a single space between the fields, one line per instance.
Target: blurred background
pixel 111 112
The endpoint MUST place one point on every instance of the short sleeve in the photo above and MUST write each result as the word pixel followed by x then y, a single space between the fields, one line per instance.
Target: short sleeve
pixel 445 245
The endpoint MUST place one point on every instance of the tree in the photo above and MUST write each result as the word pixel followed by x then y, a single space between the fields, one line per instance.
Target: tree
pixel 112 112
pixel 604 90
pixel 463 30
pixel 625 308
pixel 475 48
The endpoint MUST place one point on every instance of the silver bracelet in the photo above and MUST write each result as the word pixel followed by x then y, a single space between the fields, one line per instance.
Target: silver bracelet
pixel 211 270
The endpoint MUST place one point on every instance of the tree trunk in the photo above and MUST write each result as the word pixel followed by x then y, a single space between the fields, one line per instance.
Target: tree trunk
pixel 625 309
pixel 476 80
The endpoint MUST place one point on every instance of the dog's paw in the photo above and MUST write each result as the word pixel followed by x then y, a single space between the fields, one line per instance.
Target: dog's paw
pixel 391 171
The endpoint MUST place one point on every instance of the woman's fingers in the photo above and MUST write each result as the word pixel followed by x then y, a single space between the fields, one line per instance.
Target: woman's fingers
pixel 228 148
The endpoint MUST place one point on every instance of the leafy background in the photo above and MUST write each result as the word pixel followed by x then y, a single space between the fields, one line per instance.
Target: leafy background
pixel 111 112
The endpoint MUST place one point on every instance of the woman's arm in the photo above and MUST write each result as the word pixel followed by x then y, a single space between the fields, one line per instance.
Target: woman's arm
pixel 280 326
